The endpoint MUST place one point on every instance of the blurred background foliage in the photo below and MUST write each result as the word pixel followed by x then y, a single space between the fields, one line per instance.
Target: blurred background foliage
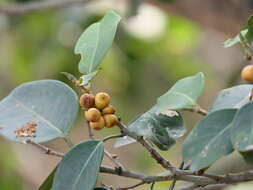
pixel 157 43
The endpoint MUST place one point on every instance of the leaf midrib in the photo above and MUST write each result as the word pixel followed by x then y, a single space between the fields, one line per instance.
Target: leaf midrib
pixel 84 167
pixel 61 133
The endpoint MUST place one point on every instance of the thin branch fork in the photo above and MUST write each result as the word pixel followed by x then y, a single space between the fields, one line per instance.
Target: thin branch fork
pixel 178 175
pixel 156 155
pixel 199 181
pixel 107 153
pixel 23 8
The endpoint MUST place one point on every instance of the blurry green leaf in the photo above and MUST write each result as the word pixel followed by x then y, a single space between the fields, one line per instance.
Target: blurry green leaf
pixel 232 41
pixel 234 97
pixel 79 168
pixel 96 41
pixel 250 21
pixel 242 131
pixel 51 104
pixel 69 76
pixel 248 156
pixel 209 140
pixel 162 130
pixel 48 183
pixel 249 35
pixel 183 94
pixel 85 79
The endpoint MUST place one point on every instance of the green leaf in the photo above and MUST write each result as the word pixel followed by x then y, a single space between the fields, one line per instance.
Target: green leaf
pixel 69 76
pixel 248 156
pixel 249 36
pixel 183 94
pixel 209 140
pixel 79 168
pixel 234 97
pixel 250 21
pixel 85 79
pixel 162 130
pixel 48 183
pixel 232 41
pixel 51 104
pixel 95 42
pixel 242 132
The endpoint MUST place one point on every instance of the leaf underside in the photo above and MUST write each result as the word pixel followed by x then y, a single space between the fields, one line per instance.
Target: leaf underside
pixel 95 42
pixel 234 97
pixel 50 104
pixel 183 94
pixel 209 140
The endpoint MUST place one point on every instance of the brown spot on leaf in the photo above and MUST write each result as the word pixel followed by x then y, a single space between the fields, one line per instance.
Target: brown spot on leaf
pixel 28 130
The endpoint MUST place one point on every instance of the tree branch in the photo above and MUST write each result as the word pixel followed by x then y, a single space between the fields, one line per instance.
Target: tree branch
pixel 115 161
pixel 24 8
pixel 156 155
pixel 132 187
pixel 108 154
pixel 198 110
pixel 182 175
pixel 45 149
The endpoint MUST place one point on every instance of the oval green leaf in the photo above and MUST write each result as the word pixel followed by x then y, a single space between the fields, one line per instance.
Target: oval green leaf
pixel 242 131
pixel 234 97
pixel 209 140
pixel 183 94
pixel 162 130
pixel 50 104
pixel 79 168
pixel 95 42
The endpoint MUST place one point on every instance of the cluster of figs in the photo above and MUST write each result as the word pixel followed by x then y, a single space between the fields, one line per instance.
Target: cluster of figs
pixel 100 113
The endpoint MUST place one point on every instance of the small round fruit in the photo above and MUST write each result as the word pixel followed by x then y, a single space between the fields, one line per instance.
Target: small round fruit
pixel 93 114
pixel 102 100
pixel 247 73
pixel 108 110
pixel 87 100
pixel 110 120
pixel 98 125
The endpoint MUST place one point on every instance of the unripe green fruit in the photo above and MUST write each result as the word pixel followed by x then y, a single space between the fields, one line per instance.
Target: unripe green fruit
pixel 110 120
pixel 98 125
pixel 93 114
pixel 247 73
pixel 108 110
pixel 102 100
pixel 87 100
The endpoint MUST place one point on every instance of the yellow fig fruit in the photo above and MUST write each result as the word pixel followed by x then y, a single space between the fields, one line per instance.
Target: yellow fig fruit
pixel 93 114
pixel 102 100
pixel 247 73
pixel 87 100
pixel 108 110
pixel 98 125
pixel 110 120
